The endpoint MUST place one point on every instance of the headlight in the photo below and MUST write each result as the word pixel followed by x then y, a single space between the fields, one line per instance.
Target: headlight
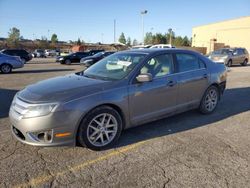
pixel 224 57
pixel 39 110
pixel 61 58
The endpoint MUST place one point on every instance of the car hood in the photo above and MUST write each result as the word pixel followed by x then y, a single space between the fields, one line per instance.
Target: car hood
pixel 62 89
pixel 88 58
pixel 219 55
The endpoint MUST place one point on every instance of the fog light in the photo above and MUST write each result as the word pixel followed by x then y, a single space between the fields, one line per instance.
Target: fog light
pixel 43 136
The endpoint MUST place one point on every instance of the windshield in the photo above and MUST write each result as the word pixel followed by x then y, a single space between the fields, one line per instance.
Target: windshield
pixel 114 67
pixel 222 52
pixel 98 54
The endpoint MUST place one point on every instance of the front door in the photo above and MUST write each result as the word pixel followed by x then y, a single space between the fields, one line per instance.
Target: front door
pixel 151 100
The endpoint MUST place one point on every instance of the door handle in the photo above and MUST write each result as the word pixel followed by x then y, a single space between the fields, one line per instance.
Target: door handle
pixel 171 83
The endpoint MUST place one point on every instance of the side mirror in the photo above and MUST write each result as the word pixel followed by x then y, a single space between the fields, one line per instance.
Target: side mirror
pixel 146 77
pixel 235 53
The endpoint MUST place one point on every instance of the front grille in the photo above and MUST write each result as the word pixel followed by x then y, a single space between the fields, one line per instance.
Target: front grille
pixel 18 133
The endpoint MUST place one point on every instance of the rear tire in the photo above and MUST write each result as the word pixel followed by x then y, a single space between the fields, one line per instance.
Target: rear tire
pixel 209 100
pixel 244 62
pixel 6 68
pixel 67 62
pixel 100 128
pixel 229 63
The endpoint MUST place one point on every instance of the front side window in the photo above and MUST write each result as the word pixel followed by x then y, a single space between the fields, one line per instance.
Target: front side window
pixel 114 67
pixel 160 65
pixel 187 62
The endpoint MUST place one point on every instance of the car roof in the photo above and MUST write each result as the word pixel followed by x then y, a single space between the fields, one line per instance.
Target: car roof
pixel 151 51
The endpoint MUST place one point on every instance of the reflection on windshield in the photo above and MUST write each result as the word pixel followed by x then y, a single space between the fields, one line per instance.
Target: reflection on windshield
pixel 114 67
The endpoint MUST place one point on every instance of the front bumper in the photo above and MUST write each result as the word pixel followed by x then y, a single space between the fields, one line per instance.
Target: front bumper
pixel 33 131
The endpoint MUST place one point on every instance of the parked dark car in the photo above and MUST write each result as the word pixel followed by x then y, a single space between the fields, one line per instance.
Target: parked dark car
pixel 23 54
pixel 88 61
pixel 75 57
pixel 123 90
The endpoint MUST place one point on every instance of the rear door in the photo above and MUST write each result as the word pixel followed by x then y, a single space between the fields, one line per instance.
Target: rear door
pixel 238 56
pixel 75 57
pixel 192 80
pixel 150 100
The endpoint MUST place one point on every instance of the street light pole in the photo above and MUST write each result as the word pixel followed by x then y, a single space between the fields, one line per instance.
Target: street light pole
pixel 170 35
pixel 114 31
pixel 142 14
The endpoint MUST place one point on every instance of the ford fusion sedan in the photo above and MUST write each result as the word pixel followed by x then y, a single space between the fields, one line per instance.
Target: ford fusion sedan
pixel 230 56
pixel 7 63
pixel 123 90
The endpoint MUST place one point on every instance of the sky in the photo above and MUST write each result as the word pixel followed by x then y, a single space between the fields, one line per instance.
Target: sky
pixel 93 20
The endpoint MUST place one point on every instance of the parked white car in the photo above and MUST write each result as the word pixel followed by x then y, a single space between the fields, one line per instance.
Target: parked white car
pixel 162 46
pixel 7 63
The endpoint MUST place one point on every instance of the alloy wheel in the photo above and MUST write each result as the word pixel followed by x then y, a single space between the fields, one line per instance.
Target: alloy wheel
pixel 5 68
pixel 211 100
pixel 102 129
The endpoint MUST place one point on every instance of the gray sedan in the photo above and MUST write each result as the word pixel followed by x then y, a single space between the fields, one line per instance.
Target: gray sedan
pixel 7 63
pixel 123 90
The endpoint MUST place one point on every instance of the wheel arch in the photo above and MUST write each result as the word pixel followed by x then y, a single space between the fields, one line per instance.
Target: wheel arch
pixel 114 106
pixel 217 86
pixel 6 64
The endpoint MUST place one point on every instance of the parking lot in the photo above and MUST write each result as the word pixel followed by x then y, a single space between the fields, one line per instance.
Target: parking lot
pixel 186 150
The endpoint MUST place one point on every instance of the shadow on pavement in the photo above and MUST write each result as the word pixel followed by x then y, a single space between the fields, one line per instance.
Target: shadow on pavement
pixel 40 71
pixel 234 101
pixel 6 96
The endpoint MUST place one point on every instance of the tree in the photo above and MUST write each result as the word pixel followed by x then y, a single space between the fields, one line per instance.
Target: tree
pixel 148 38
pixel 122 38
pixel 135 42
pixel 43 43
pixel 159 38
pixel 78 42
pixel 128 41
pixel 178 41
pixel 54 39
pixel 13 37
pixel 186 41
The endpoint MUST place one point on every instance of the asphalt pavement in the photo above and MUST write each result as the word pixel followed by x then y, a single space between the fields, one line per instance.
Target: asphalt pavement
pixel 186 150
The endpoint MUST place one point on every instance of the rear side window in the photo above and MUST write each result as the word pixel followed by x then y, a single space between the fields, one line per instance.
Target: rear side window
pixel 187 62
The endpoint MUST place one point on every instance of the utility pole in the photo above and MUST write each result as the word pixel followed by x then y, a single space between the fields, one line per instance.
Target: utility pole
pixel 142 16
pixel 170 35
pixel 114 31
pixel 48 34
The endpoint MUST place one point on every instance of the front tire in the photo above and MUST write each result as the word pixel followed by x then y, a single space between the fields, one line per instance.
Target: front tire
pixel 6 68
pixel 244 62
pixel 100 129
pixel 209 100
